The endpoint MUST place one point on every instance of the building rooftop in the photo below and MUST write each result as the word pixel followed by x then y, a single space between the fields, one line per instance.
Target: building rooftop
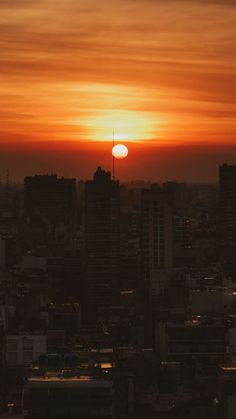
pixel 228 368
pixel 80 381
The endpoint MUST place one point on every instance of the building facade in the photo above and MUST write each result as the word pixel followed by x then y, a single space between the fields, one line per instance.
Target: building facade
pixel 102 241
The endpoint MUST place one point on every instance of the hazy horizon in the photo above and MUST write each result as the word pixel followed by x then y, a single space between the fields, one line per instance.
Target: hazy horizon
pixel 197 164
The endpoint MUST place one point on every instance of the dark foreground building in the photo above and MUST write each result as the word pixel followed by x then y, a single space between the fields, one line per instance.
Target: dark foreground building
pixel 57 397
pixel 102 243
pixel 227 175
pixel 228 201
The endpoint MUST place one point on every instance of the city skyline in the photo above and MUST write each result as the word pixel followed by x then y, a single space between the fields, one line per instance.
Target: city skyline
pixel 150 164
pixel 116 301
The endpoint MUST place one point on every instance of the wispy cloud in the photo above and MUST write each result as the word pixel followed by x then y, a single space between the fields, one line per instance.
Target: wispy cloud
pixel 175 57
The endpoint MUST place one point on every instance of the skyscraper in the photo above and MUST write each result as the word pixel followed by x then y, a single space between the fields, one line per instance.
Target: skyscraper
pixel 50 199
pixel 68 397
pixel 228 201
pixel 228 219
pixel 102 242
pixel 156 251
pixel 157 231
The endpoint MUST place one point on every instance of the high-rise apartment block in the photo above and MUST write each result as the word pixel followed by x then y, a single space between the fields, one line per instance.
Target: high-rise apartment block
pixel 157 231
pixel 68 397
pixel 228 201
pixel 102 242
pixel 51 199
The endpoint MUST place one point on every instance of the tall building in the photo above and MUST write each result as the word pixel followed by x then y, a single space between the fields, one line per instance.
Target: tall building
pixel 228 200
pixel 156 252
pixel 228 219
pixel 55 396
pixel 157 232
pixel 227 389
pixel 130 249
pixel 50 199
pixel 102 243
pixel 24 349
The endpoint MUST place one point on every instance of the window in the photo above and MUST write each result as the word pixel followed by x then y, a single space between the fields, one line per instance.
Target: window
pixel 28 344
pixel 12 358
pixel 12 344
pixel 27 357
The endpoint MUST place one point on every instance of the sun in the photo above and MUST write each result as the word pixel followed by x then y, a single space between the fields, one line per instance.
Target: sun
pixel 120 151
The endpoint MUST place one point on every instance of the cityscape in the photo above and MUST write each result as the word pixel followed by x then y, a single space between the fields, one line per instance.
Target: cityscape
pixel 118 209
pixel 118 299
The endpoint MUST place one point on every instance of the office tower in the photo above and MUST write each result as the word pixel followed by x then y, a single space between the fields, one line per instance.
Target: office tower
pixel 156 252
pixel 130 249
pixel 228 220
pixel 23 349
pixel 55 396
pixel 157 232
pixel 8 251
pixel 102 244
pixel 227 391
pixel 228 201
pixel 50 200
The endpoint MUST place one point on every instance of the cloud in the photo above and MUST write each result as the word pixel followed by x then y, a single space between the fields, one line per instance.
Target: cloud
pixel 177 53
pixel 173 2
pixel 221 2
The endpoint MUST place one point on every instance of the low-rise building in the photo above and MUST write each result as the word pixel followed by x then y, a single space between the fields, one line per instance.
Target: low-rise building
pixel 23 349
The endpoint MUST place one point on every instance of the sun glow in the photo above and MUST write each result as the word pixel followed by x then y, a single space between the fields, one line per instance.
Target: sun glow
pixel 116 108
pixel 127 125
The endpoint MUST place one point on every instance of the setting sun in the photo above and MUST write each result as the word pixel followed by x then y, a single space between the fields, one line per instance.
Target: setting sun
pixel 120 151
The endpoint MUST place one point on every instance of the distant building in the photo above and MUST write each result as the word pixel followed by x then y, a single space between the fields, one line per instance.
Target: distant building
pixel 22 350
pixel 8 252
pixel 228 200
pixel 50 199
pixel 204 343
pixel 156 250
pixel 130 249
pixel 72 397
pixel 228 219
pixel 102 241
pixel 227 387
pixel 157 231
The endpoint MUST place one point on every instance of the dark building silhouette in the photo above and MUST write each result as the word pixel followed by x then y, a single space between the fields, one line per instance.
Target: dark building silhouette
pixel 227 174
pixel 228 201
pixel 130 250
pixel 50 199
pixel 156 250
pixel 102 243
pixel 157 231
pixel 68 397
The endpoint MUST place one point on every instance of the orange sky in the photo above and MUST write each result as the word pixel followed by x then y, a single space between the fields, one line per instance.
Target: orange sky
pixel 161 73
